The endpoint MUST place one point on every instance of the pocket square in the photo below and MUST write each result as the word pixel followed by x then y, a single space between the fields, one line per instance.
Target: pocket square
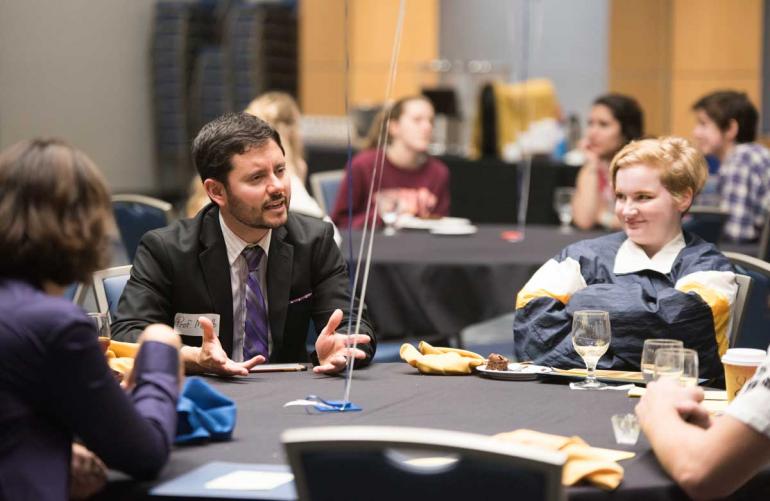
pixel 203 413
pixel 301 298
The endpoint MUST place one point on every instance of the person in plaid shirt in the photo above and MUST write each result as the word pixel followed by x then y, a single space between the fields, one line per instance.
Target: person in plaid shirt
pixel 726 128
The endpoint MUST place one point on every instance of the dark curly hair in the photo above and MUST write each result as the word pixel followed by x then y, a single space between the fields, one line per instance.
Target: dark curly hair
pixel 55 213
pixel 627 112
pixel 726 105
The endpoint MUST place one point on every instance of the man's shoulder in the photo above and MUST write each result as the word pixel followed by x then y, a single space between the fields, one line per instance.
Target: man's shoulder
pixel 185 234
pixel 301 228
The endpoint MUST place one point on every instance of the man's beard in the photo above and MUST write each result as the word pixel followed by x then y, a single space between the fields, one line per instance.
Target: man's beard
pixel 253 217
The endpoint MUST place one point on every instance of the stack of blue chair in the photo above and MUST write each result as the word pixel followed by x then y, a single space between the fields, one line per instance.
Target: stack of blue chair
pixel 261 45
pixel 210 94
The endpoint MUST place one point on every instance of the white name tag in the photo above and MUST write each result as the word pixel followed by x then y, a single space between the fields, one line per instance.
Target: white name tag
pixel 187 324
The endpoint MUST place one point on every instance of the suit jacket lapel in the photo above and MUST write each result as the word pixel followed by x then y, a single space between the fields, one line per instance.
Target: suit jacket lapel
pixel 216 271
pixel 279 271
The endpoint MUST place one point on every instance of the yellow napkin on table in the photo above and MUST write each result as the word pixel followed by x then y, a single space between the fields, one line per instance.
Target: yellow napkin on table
pixel 120 356
pixel 435 360
pixel 595 465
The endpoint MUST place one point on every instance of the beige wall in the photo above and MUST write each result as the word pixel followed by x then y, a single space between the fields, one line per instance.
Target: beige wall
pixel 372 25
pixel 78 69
pixel 668 53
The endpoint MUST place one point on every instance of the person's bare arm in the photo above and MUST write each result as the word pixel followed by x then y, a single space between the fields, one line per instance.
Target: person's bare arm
pixel 587 200
pixel 707 463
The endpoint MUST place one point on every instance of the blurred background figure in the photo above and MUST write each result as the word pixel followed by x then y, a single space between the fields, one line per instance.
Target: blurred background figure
pixel 614 121
pixel 418 181
pixel 726 127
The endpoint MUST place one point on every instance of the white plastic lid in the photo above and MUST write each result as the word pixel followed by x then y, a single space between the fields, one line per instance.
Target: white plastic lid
pixel 744 356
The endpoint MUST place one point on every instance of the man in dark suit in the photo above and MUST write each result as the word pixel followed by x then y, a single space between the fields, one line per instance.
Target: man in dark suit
pixel 207 276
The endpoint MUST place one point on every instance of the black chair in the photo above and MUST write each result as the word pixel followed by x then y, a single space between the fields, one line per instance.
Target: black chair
pixel 754 330
pixel 387 463
pixel 706 222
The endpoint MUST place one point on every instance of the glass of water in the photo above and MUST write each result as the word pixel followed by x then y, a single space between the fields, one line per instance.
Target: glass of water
pixel 389 208
pixel 678 364
pixel 101 322
pixel 562 204
pixel 591 338
pixel 651 346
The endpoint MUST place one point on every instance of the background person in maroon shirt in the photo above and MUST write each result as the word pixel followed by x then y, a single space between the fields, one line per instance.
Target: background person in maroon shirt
pixel 420 181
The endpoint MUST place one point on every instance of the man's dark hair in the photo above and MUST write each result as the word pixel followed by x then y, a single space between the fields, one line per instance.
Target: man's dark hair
pixel 225 136
pixel 55 213
pixel 627 112
pixel 725 105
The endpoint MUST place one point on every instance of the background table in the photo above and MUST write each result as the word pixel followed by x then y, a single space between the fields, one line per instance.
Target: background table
pixel 423 285
pixel 396 395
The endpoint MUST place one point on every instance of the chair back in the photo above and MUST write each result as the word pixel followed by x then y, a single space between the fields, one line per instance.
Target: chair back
pixel 706 222
pixel 764 240
pixel 108 287
pixel 753 330
pixel 325 186
pixel 739 306
pixel 386 463
pixel 135 215
pixel 75 292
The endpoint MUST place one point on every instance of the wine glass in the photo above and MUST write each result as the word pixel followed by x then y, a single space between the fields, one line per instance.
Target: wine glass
pixel 389 206
pixel 562 204
pixel 648 354
pixel 591 338
pixel 101 323
pixel 678 364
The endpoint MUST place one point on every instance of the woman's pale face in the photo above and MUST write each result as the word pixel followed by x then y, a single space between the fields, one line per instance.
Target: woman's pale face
pixel 709 138
pixel 414 128
pixel 648 212
pixel 603 135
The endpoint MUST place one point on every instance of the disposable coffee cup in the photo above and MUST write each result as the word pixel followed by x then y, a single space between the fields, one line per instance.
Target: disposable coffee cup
pixel 740 364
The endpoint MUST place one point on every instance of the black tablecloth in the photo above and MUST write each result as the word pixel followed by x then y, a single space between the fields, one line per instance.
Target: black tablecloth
pixel 422 285
pixel 396 395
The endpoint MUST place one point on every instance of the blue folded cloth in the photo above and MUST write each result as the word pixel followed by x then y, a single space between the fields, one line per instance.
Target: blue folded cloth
pixel 203 413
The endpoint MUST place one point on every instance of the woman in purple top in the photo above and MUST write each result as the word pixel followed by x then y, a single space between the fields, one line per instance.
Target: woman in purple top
pixel 55 383
pixel 420 181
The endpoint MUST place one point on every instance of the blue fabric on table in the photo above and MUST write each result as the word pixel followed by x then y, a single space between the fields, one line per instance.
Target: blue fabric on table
pixel 203 413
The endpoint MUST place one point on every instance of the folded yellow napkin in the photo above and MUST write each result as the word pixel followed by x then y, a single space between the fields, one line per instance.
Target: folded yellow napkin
pixel 595 465
pixel 434 360
pixel 120 356
pixel 631 376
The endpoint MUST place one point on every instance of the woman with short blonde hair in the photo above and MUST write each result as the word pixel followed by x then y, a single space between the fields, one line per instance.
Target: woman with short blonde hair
pixel 653 278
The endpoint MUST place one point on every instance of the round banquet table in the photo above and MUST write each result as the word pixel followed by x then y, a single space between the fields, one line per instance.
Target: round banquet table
pixel 396 394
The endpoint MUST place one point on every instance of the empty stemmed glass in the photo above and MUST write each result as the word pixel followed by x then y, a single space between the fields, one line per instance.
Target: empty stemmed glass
pixel 388 205
pixel 591 338
pixel 562 204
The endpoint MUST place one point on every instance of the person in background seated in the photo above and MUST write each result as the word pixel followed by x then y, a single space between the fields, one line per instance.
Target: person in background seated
pixel 420 181
pixel 708 457
pixel 55 384
pixel 653 279
pixel 243 280
pixel 726 127
pixel 614 121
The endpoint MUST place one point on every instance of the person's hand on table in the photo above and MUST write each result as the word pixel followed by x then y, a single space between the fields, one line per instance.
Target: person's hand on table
pixel 665 397
pixel 333 348
pixel 87 473
pixel 211 358
pixel 426 202
pixel 158 333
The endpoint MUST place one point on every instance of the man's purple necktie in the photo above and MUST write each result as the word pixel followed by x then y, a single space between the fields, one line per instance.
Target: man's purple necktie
pixel 255 328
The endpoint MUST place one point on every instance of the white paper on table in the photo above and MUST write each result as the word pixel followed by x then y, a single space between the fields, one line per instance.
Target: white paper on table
pixel 250 480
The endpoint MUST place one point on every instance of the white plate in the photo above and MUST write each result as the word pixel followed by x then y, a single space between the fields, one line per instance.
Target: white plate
pixel 414 223
pixel 515 372
pixel 454 230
